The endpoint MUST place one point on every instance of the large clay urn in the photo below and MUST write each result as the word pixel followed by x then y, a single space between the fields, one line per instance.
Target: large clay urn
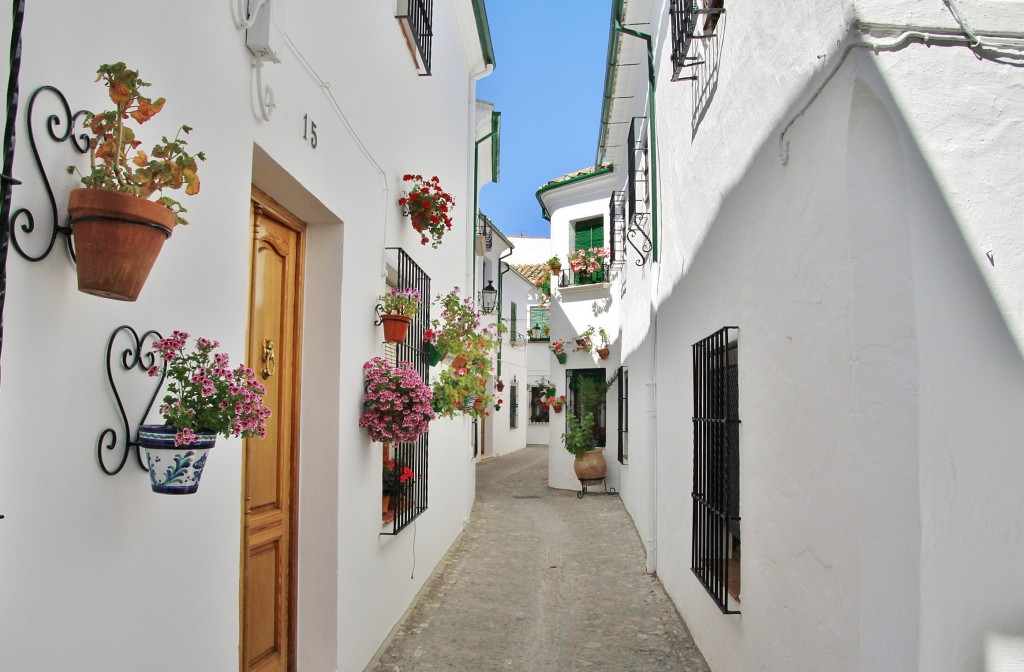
pixel 590 465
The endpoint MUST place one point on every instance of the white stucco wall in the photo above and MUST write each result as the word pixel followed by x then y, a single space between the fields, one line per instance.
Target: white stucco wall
pixel 530 250
pixel 85 555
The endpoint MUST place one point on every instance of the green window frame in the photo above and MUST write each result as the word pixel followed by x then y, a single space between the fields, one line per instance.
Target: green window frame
pixel 513 334
pixel 589 233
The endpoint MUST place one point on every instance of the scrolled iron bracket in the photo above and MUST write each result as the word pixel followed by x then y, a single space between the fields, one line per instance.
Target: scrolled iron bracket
pixel 379 309
pixel 61 128
pixel 131 358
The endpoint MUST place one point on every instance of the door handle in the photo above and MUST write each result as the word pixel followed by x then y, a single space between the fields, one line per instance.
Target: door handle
pixel 269 359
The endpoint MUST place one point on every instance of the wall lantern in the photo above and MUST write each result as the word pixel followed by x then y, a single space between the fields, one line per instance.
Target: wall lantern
pixel 488 298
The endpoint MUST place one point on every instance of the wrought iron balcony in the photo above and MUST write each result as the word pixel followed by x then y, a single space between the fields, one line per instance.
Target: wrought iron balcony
pixel 571 279
pixel 683 15
pixel 417 21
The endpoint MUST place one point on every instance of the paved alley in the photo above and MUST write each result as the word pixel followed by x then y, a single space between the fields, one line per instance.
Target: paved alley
pixel 540 580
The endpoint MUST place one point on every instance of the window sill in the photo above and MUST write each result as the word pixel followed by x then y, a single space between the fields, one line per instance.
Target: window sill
pixel 595 287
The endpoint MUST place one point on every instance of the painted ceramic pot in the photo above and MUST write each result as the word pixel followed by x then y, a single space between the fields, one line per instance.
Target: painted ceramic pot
pixel 174 470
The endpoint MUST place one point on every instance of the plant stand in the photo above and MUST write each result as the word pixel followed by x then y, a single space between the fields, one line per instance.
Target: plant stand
pixel 587 482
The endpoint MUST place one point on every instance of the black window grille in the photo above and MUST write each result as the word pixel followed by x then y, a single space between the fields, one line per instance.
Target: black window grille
pixel 638 189
pixel 513 410
pixel 683 15
pixel 513 333
pixel 623 415
pixel 538 411
pixel 540 323
pixel 617 217
pixel 716 467
pixel 416 17
pixel 412 502
pixel 576 383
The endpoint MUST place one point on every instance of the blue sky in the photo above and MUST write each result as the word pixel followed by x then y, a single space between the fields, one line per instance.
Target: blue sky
pixel 547 85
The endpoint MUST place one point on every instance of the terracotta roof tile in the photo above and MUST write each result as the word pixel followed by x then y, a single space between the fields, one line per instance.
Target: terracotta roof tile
pixel 533 272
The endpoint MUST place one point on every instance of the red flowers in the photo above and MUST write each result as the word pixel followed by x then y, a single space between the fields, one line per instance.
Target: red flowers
pixel 428 205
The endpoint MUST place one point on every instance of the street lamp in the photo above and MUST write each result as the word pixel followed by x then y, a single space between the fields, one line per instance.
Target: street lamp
pixel 488 298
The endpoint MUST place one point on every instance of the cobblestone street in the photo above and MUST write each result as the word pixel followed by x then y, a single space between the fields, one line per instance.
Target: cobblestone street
pixel 540 580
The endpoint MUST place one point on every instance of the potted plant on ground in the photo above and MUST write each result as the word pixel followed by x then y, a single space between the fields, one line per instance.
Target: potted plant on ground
pixel 205 397
pixel 554 264
pixel 396 404
pixel 399 306
pixel 428 205
pixel 118 232
pixel 396 480
pixel 579 441
pixel 558 348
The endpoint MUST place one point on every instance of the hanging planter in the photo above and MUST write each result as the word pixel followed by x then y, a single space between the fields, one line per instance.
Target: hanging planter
pixel 459 362
pixel 557 406
pixel 561 357
pixel 429 207
pixel 603 353
pixel 396 327
pixel 174 470
pixel 117 240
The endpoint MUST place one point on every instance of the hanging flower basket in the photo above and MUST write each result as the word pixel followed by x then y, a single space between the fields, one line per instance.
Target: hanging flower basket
pixel 174 470
pixel 557 406
pixel 434 355
pixel 603 353
pixel 117 240
pixel 561 357
pixel 396 327
pixel 460 362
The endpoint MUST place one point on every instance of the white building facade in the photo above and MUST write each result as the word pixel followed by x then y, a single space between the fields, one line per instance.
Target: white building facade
pixel 99 573
pixel 829 190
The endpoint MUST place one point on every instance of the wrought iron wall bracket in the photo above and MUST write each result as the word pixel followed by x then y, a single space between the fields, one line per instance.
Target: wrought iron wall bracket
pixel 379 309
pixel 131 358
pixel 61 128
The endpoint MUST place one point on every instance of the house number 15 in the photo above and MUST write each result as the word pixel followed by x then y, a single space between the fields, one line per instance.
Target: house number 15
pixel 309 130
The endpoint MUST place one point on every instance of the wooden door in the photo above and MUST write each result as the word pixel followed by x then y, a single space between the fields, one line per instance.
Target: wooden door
pixel 270 466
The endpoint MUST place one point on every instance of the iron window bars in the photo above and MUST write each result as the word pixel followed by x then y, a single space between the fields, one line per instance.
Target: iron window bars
pixel 683 16
pixel 539 413
pixel 639 190
pixel 617 217
pixel 623 376
pixel 513 409
pixel 716 496
pixel 416 17
pixel 413 501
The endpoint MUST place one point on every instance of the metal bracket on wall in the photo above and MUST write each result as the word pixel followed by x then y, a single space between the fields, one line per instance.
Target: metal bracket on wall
pixel 379 309
pixel 60 129
pixel 131 358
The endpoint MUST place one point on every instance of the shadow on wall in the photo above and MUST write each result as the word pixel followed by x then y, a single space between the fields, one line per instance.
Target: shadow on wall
pixel 789 259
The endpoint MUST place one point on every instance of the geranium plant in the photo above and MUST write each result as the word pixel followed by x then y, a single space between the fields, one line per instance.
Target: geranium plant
pixel 458 333
pixel 206 394
pixel 397 477
pixel 405 301
pixel 557 346
pixel 429 206
pixel 588 262
pixel 554 263
pixel 396 405
pixel 169 165
pixel 585 341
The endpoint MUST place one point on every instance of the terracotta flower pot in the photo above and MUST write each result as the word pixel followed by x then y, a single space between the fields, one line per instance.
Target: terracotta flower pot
pixel 603 353
pixel 385 503
pixel 500 387
pixel 459 362
pixel 557 405
pixel 396 327
pixel 117 240
pixel 590 465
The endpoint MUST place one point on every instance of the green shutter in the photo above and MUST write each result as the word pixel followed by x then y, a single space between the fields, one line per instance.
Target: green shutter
pixel 590 233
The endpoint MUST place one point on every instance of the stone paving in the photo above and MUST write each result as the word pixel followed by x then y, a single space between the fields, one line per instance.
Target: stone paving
pixel 541 581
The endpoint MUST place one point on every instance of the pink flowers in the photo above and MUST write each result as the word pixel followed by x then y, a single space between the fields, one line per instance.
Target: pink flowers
pixel 396 405
pixel 204 393
pixel 588 262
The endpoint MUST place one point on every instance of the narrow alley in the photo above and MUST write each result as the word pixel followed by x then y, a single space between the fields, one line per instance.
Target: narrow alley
pixel 540 580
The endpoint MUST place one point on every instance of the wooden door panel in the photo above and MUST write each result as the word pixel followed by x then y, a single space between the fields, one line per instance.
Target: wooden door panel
pixel 268 575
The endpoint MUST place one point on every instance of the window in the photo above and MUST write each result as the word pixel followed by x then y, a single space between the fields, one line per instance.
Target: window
pixel 538 411
pixel 716 467
pixel 589 233
pixel 587 390
pixel 639 196
pixel 623 377
pixel 684 15
pixel 513 411
pixel 540 323
pixel 412 502
pixel 416 17
pixel 513 334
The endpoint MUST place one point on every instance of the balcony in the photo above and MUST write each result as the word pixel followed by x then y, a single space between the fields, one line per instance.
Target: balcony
pixel 568 279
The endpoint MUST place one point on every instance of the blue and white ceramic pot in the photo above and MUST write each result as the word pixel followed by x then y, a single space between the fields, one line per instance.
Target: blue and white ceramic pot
pixel 174 470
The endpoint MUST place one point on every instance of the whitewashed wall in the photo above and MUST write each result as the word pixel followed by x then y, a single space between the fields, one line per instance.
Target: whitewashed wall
pixel 91 567
pixel 507 439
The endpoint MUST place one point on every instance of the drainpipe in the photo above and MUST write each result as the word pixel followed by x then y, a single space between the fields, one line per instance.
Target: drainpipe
pixel 651 540
pixel 495 126
pixel 501 285
pixel 651 111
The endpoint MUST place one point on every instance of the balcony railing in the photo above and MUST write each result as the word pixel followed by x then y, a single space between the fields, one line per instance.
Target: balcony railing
pixel 571 279
pixel 418 24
